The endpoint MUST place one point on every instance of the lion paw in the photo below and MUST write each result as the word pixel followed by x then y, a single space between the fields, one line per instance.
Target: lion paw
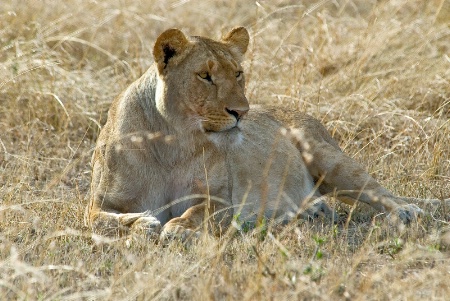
pixel 405 213
pixel 178 232
pixel 148 225
pixel 120 224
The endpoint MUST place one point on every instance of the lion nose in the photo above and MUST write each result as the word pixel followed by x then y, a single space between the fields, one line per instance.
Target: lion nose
pixel 237 113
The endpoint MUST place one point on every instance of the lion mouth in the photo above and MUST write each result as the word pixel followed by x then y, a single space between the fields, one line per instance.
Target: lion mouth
pixel 232 130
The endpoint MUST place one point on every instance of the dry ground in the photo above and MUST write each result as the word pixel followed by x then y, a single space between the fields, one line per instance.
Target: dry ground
pixel 377 73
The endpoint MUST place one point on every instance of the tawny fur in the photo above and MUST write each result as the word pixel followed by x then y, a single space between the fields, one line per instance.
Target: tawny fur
pixel 182 143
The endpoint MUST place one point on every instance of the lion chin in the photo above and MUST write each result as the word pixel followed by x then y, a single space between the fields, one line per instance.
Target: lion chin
pixel 227 138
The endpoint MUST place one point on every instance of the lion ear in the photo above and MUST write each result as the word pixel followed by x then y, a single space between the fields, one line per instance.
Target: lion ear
pixel 168 47
pixel 237 38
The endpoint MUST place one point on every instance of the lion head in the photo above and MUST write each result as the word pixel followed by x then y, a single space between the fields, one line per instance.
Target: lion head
pixel 200 85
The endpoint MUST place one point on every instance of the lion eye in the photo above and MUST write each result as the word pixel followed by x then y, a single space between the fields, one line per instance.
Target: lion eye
pixel 238 74
pixel 206 76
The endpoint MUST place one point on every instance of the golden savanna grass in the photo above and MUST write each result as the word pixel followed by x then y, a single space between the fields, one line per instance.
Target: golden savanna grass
pixel 376 73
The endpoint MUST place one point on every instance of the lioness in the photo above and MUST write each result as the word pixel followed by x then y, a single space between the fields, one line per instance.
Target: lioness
pixel 182 145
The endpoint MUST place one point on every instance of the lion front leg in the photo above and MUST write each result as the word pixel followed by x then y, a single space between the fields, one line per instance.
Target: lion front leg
pixel 194 221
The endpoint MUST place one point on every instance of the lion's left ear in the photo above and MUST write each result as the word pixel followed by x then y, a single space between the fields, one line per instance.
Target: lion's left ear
pixel 237 38
pixel 169 47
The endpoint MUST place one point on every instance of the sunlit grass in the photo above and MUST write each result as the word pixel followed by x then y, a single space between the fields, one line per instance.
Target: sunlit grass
pixel 376 73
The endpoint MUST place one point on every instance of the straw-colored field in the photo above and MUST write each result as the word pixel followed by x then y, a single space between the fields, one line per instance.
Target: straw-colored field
pixel 376 73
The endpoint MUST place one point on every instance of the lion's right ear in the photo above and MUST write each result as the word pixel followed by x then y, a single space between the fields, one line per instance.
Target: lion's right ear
pixel 169 47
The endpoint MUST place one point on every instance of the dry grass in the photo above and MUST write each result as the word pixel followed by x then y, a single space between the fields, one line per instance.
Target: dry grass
pixel 377 73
